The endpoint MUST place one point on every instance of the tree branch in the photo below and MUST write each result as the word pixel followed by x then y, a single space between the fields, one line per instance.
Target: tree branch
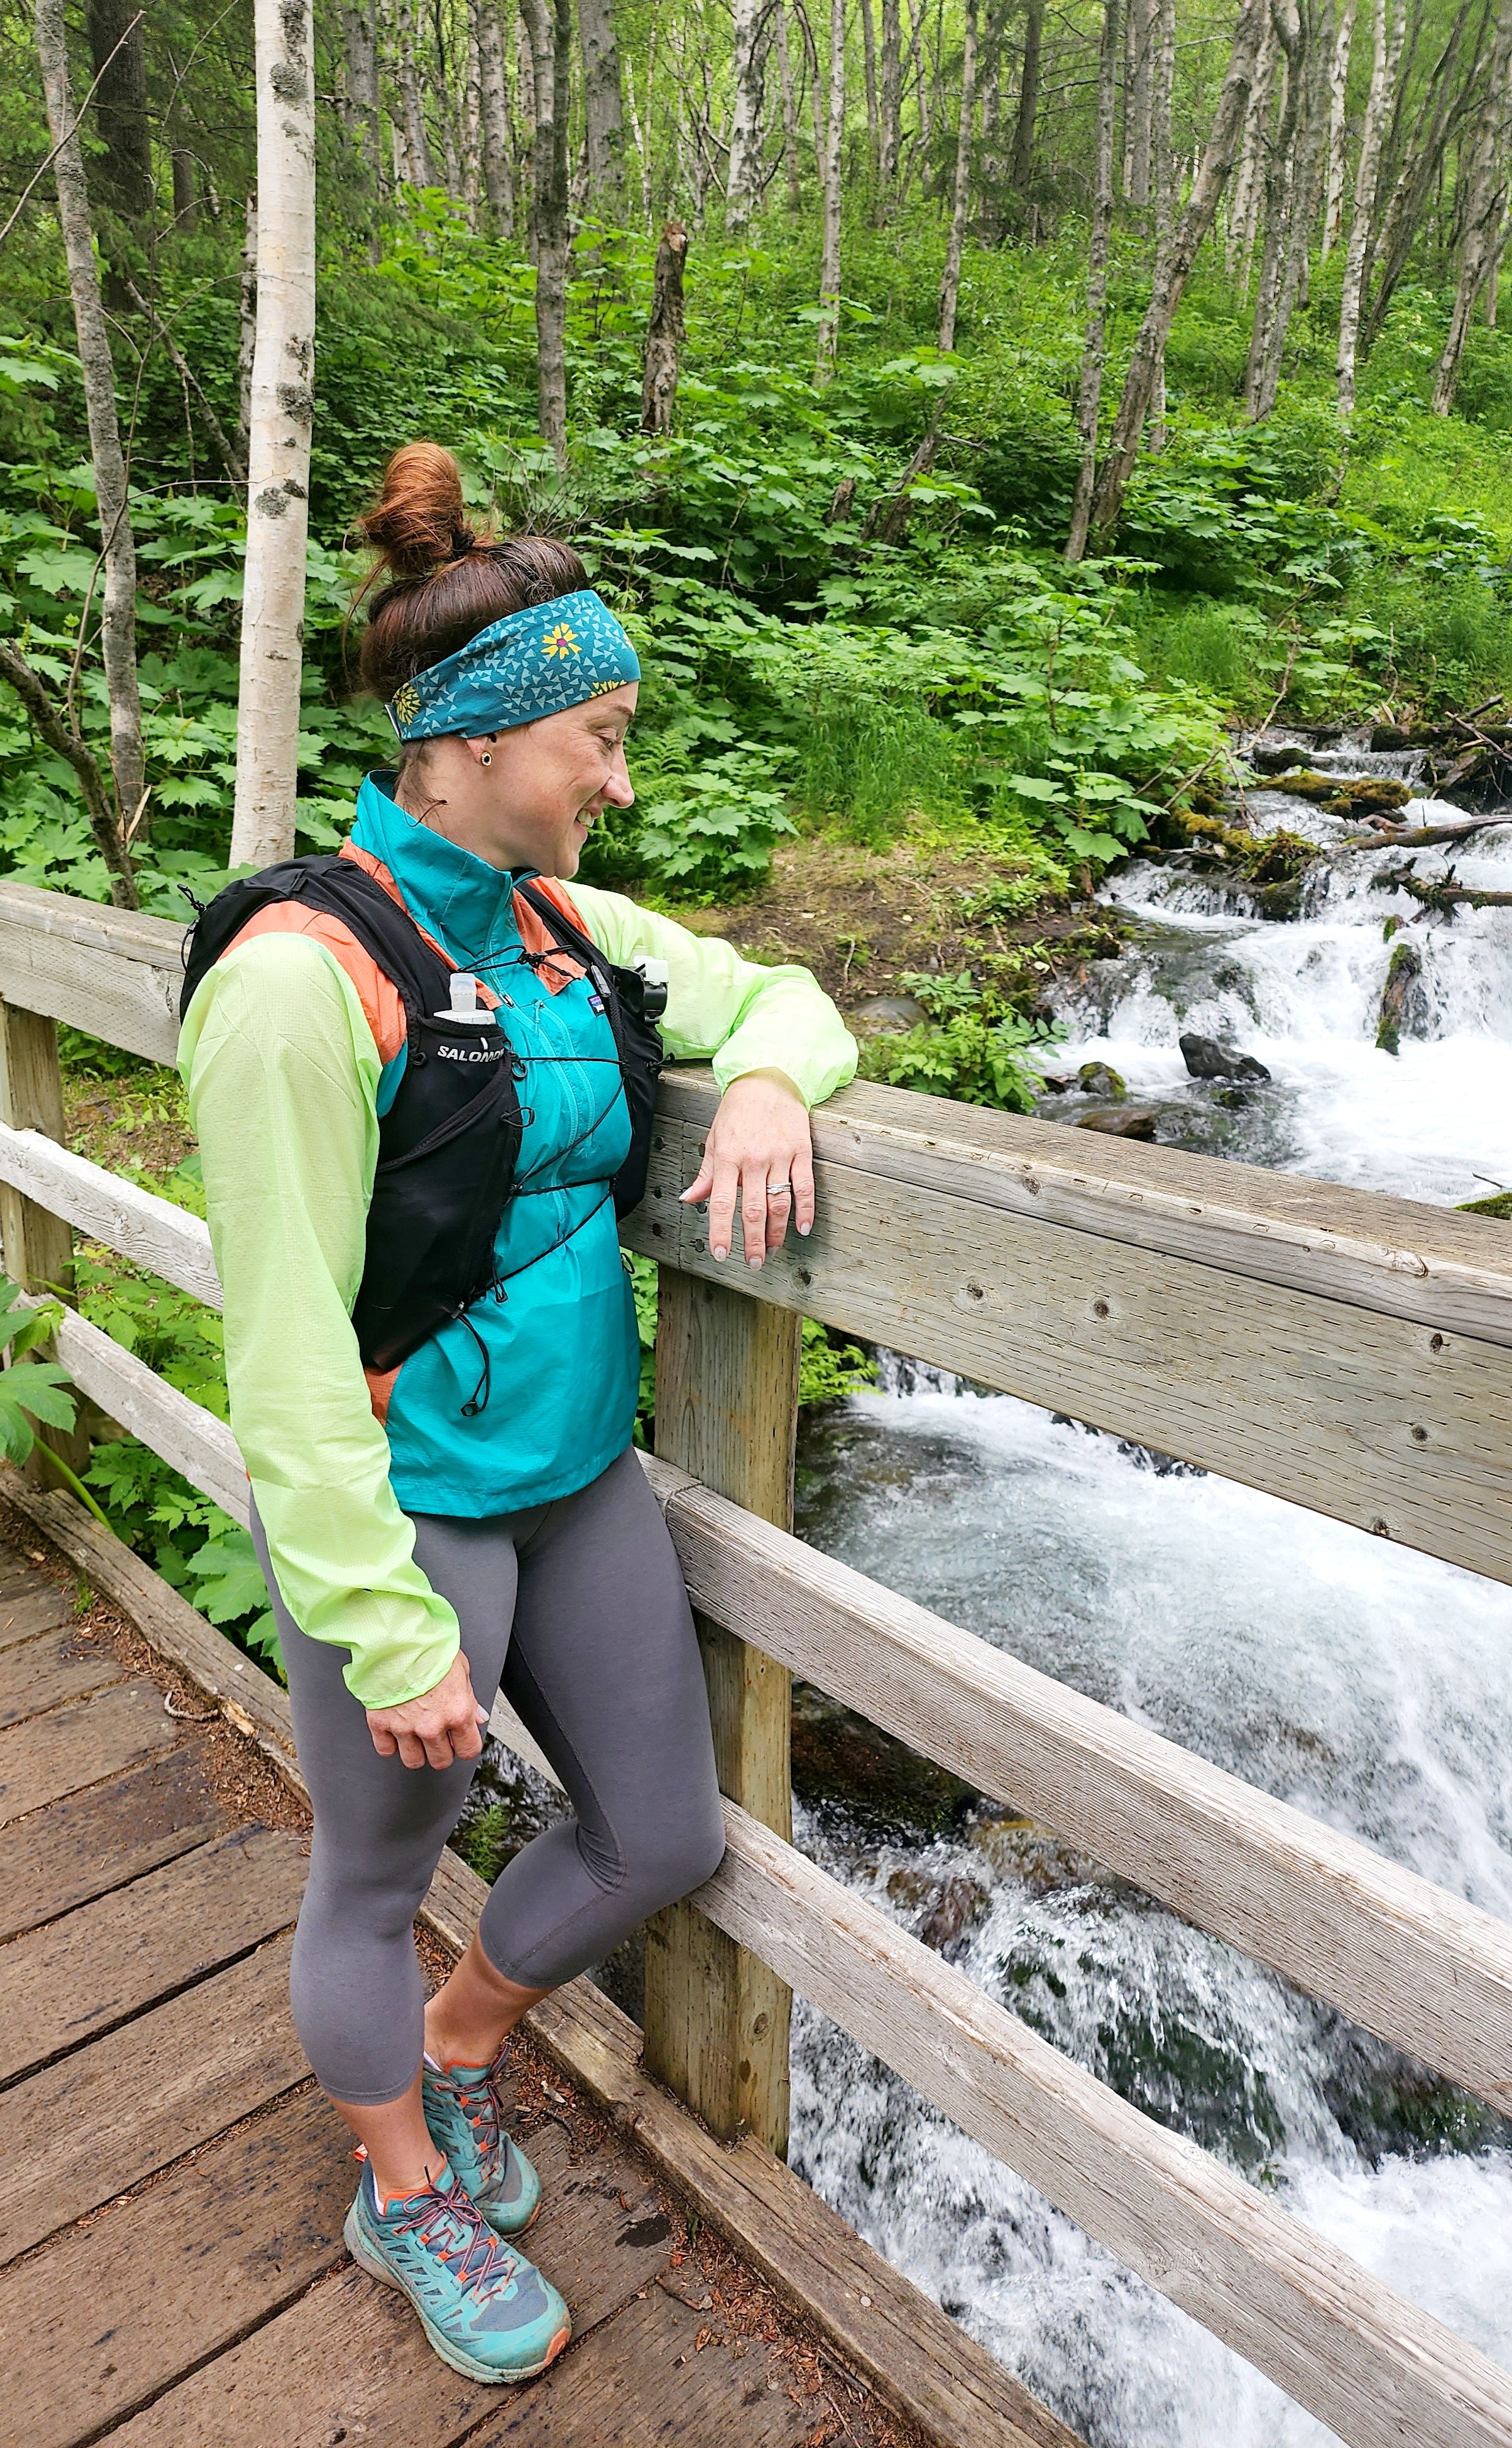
pixel 32 689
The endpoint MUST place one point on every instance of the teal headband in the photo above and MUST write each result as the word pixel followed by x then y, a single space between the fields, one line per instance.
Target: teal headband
pixel 535 662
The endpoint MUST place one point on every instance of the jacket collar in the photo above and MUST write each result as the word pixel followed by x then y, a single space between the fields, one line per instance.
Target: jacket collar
pixel 468 904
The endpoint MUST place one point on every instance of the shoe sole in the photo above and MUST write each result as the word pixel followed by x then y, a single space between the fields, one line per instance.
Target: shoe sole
pixel 375 2267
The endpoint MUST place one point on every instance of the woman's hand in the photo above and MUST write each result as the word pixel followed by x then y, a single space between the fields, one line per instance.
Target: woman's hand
pixel 440 1726
pixel 759 1156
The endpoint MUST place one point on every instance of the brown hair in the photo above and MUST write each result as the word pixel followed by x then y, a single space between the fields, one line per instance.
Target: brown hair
pixel 441 581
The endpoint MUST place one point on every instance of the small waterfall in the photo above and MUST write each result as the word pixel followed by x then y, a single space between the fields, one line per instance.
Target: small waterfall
pixel 1367 1685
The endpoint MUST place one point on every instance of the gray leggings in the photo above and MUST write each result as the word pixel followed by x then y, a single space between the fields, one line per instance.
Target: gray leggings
pixel 578 1611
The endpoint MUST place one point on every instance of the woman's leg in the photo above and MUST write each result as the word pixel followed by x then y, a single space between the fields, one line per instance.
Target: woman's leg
pixel 379 1827
pixel 603 1667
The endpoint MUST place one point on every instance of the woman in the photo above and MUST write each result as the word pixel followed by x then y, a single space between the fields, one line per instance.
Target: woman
pixel 475 1520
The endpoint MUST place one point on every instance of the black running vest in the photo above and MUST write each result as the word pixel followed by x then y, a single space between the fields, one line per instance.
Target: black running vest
pixel 449 1145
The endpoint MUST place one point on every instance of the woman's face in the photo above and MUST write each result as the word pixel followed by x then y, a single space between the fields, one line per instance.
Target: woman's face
pixel 545 786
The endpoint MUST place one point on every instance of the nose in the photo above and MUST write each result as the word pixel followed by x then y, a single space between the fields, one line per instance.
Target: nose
pixel 618 790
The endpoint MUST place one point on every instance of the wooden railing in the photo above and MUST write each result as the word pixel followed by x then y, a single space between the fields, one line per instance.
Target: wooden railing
pixel 1350 1352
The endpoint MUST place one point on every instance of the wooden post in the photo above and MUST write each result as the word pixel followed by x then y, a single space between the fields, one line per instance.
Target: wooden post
pixel 37 1245
pixel 727 1401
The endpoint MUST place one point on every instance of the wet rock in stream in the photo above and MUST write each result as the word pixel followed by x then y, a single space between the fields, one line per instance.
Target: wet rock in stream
pixel 840 1759
pixel 1205 1058
pixel 1120 1122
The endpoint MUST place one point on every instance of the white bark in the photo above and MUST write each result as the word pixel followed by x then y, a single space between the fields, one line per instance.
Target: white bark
pixel 278 452
pixel 1338 132
pixel 1388 30
pixel 118 611
pixel 830 179
pixel 1090 389
pixel 416 138
pixel 743 190
pixel 951 284
pixel 1484 205
pixel 493 116
pixel 602 106
pixel 1244 202
pixel 790 112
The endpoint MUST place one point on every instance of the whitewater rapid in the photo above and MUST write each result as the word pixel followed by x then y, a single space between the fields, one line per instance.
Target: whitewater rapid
pixel 1367 1685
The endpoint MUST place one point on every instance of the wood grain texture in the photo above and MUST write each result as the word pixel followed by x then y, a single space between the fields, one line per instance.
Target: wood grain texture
pixel 37 1607
pixel 116 974
pixel 1429 1264
pixel 80 2132
pixel 716 2020
pixel 1413 1963
pixel 105 1206
pixel 662 2376
pixel 173 2276
pixel 351 2357
pixel 78 1746
pixel 50 1668
pixel 1367 1416
pixel 90 1843
pixel 36 1243
pixel 83 1975
pixel 1365 2360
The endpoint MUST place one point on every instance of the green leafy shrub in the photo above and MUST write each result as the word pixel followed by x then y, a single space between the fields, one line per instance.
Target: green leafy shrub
pixel 973 1047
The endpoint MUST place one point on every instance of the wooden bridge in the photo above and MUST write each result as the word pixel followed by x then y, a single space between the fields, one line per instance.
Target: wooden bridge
pixel 1350 1352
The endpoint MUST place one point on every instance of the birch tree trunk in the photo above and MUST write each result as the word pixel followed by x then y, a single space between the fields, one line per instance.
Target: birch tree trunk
pixel 961 197
pixel 1173 271
pixel 1089 397
pixel 278 447
pixel 416 138
pixel 493 117
pixel 1338 132
pixel 118 608
pixel 1248 179
pixel 1485 203
pixel 828 333
pixel 743 187
pixel 360 61
pixel 1162 164
pixel 666 332
pixel 789 113
pixel 1138 101
pixel 869 57
pixel 1287 22
pixel 1387 29
pixel 890 99
pixel 248 337
pixel 602 106
pixel 1297 207
pixel 447 98
pixel 1023 165
pixel 1438 113
pixel 550 27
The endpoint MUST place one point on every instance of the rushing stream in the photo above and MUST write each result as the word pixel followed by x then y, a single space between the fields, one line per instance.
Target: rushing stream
pixel 1368 1685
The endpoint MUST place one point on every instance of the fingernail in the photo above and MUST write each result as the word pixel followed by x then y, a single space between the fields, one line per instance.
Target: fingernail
pixel 805 1229
pixel 752 1262
pixel 720 1253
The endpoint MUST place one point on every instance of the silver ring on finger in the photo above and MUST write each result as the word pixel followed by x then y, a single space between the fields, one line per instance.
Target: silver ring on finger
pixel 779 1190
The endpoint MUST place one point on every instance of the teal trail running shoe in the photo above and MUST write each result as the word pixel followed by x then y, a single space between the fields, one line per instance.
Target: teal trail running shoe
pixel 464 2107
pixel 485 2309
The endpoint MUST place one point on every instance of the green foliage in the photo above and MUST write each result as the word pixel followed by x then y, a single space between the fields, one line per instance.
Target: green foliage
pixel 829 1367
pixel 973 1047
pixel 36 1391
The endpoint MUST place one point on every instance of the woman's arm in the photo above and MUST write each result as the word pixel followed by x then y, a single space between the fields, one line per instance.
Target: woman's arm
pixel 741 1015
pixel 282 1074
pixel 778 1046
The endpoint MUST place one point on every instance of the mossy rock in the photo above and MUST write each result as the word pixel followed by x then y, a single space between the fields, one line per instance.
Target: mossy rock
pixel 1499 1205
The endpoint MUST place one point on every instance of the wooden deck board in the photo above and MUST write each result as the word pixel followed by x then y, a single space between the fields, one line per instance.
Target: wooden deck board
pixel 80 1745
pixel 28 1608
pixel 50 1668
pixel 116 2311
pixel 83 1975
pixel 84 2130
pixel 90 1841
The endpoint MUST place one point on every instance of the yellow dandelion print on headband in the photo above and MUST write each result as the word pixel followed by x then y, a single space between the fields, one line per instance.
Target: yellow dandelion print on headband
pixel 407 703
pixel 560 640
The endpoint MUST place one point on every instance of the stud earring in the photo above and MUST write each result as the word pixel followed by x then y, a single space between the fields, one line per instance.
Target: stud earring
pixel 486 759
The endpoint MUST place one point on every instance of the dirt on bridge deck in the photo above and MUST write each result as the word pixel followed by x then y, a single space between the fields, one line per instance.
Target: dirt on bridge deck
pixel 171 2263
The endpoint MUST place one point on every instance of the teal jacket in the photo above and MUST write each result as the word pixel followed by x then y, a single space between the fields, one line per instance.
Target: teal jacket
pixel 292 1051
